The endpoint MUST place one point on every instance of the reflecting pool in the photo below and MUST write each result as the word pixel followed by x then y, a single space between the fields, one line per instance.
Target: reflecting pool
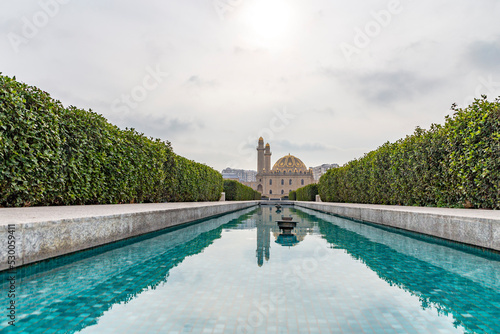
pixel 238 274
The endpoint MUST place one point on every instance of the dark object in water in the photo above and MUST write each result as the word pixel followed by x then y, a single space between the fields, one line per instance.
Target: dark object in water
pixel 286 224
pixel 287 240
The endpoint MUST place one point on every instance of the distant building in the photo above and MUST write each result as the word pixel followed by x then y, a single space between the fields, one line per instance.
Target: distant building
pixel 241 175
pixel 288 173
pixel 320 170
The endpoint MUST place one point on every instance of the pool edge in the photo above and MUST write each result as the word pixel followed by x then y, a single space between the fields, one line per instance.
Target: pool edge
pixel 42 240
pixel 448 224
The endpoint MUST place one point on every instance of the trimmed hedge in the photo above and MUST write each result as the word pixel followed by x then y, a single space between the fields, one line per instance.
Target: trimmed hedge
pixel 453 165
pixel 51 155
pixel 236 191
pixel 292 196
pixel 307 193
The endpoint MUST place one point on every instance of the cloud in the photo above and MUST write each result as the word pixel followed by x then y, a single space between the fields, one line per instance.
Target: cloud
pixel 159 126
pixel 289 147
pixel 389 87
pixel 198 82
pixel 485 54
pixel 224 84
pixel 383 87
pixel 241 50
pixel 326 111
pixel 285 145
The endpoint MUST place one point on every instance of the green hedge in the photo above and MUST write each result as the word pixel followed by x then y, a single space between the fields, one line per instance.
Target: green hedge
pixel 452 165
pixel 51 155
pixel 195 182
pixel 307 193
pixel 236 191
pixel 292 196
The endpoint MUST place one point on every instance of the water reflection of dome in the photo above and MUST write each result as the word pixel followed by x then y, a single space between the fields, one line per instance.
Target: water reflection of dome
pixel 287 240
pixel 267 229
pixel 300 233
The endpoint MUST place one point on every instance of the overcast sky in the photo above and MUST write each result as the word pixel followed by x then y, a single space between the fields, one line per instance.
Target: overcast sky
pixel 324 80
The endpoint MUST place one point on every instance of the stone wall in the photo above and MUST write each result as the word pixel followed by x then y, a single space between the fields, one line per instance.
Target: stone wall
pixel 479 228
pixel 46 232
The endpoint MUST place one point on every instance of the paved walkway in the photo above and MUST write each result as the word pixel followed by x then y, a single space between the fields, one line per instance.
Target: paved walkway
pixel 469 213
pixel 474 227
pixel 54 213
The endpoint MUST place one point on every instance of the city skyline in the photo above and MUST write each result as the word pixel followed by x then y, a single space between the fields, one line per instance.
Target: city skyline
pixel 249 175
pixel 324 81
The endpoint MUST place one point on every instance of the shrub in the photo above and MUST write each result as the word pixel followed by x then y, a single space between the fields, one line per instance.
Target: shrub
pixel 454 165
pixel 292 195
pixel 307 193
pixel 51 155
pixel 192 182
pixel 236 191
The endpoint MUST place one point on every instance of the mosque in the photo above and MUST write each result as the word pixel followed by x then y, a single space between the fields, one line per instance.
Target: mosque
pixel 288 173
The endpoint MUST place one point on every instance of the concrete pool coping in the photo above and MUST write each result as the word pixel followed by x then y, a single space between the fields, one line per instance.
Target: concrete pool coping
pixel 480 228
pixel 47 232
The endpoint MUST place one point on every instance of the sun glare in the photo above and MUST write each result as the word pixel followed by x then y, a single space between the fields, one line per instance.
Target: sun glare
pixel 269 22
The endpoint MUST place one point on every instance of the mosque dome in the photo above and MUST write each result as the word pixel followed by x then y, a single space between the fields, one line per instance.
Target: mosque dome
pixel 289 164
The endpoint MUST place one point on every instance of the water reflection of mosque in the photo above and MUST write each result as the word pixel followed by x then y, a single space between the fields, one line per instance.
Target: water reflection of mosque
pixel 266 224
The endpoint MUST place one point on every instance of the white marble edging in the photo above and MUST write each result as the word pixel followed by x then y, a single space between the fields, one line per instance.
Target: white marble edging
pixel 46 232
pixel 469 226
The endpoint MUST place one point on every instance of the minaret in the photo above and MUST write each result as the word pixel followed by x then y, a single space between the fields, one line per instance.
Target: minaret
pixel 267 158
pixel 260 156
pixel 261 242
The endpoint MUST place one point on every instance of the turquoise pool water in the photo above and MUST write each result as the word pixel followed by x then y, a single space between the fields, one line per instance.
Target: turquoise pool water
pixel 236 274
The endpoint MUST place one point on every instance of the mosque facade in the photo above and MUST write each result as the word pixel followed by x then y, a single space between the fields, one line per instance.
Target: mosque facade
pixel 287 174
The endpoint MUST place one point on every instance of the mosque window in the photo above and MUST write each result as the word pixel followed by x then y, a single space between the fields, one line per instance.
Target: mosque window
pixel 282 191
pixel 271 182
pixel 290 182
pixel 270 192
pixel 282 182
pixel 302 182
